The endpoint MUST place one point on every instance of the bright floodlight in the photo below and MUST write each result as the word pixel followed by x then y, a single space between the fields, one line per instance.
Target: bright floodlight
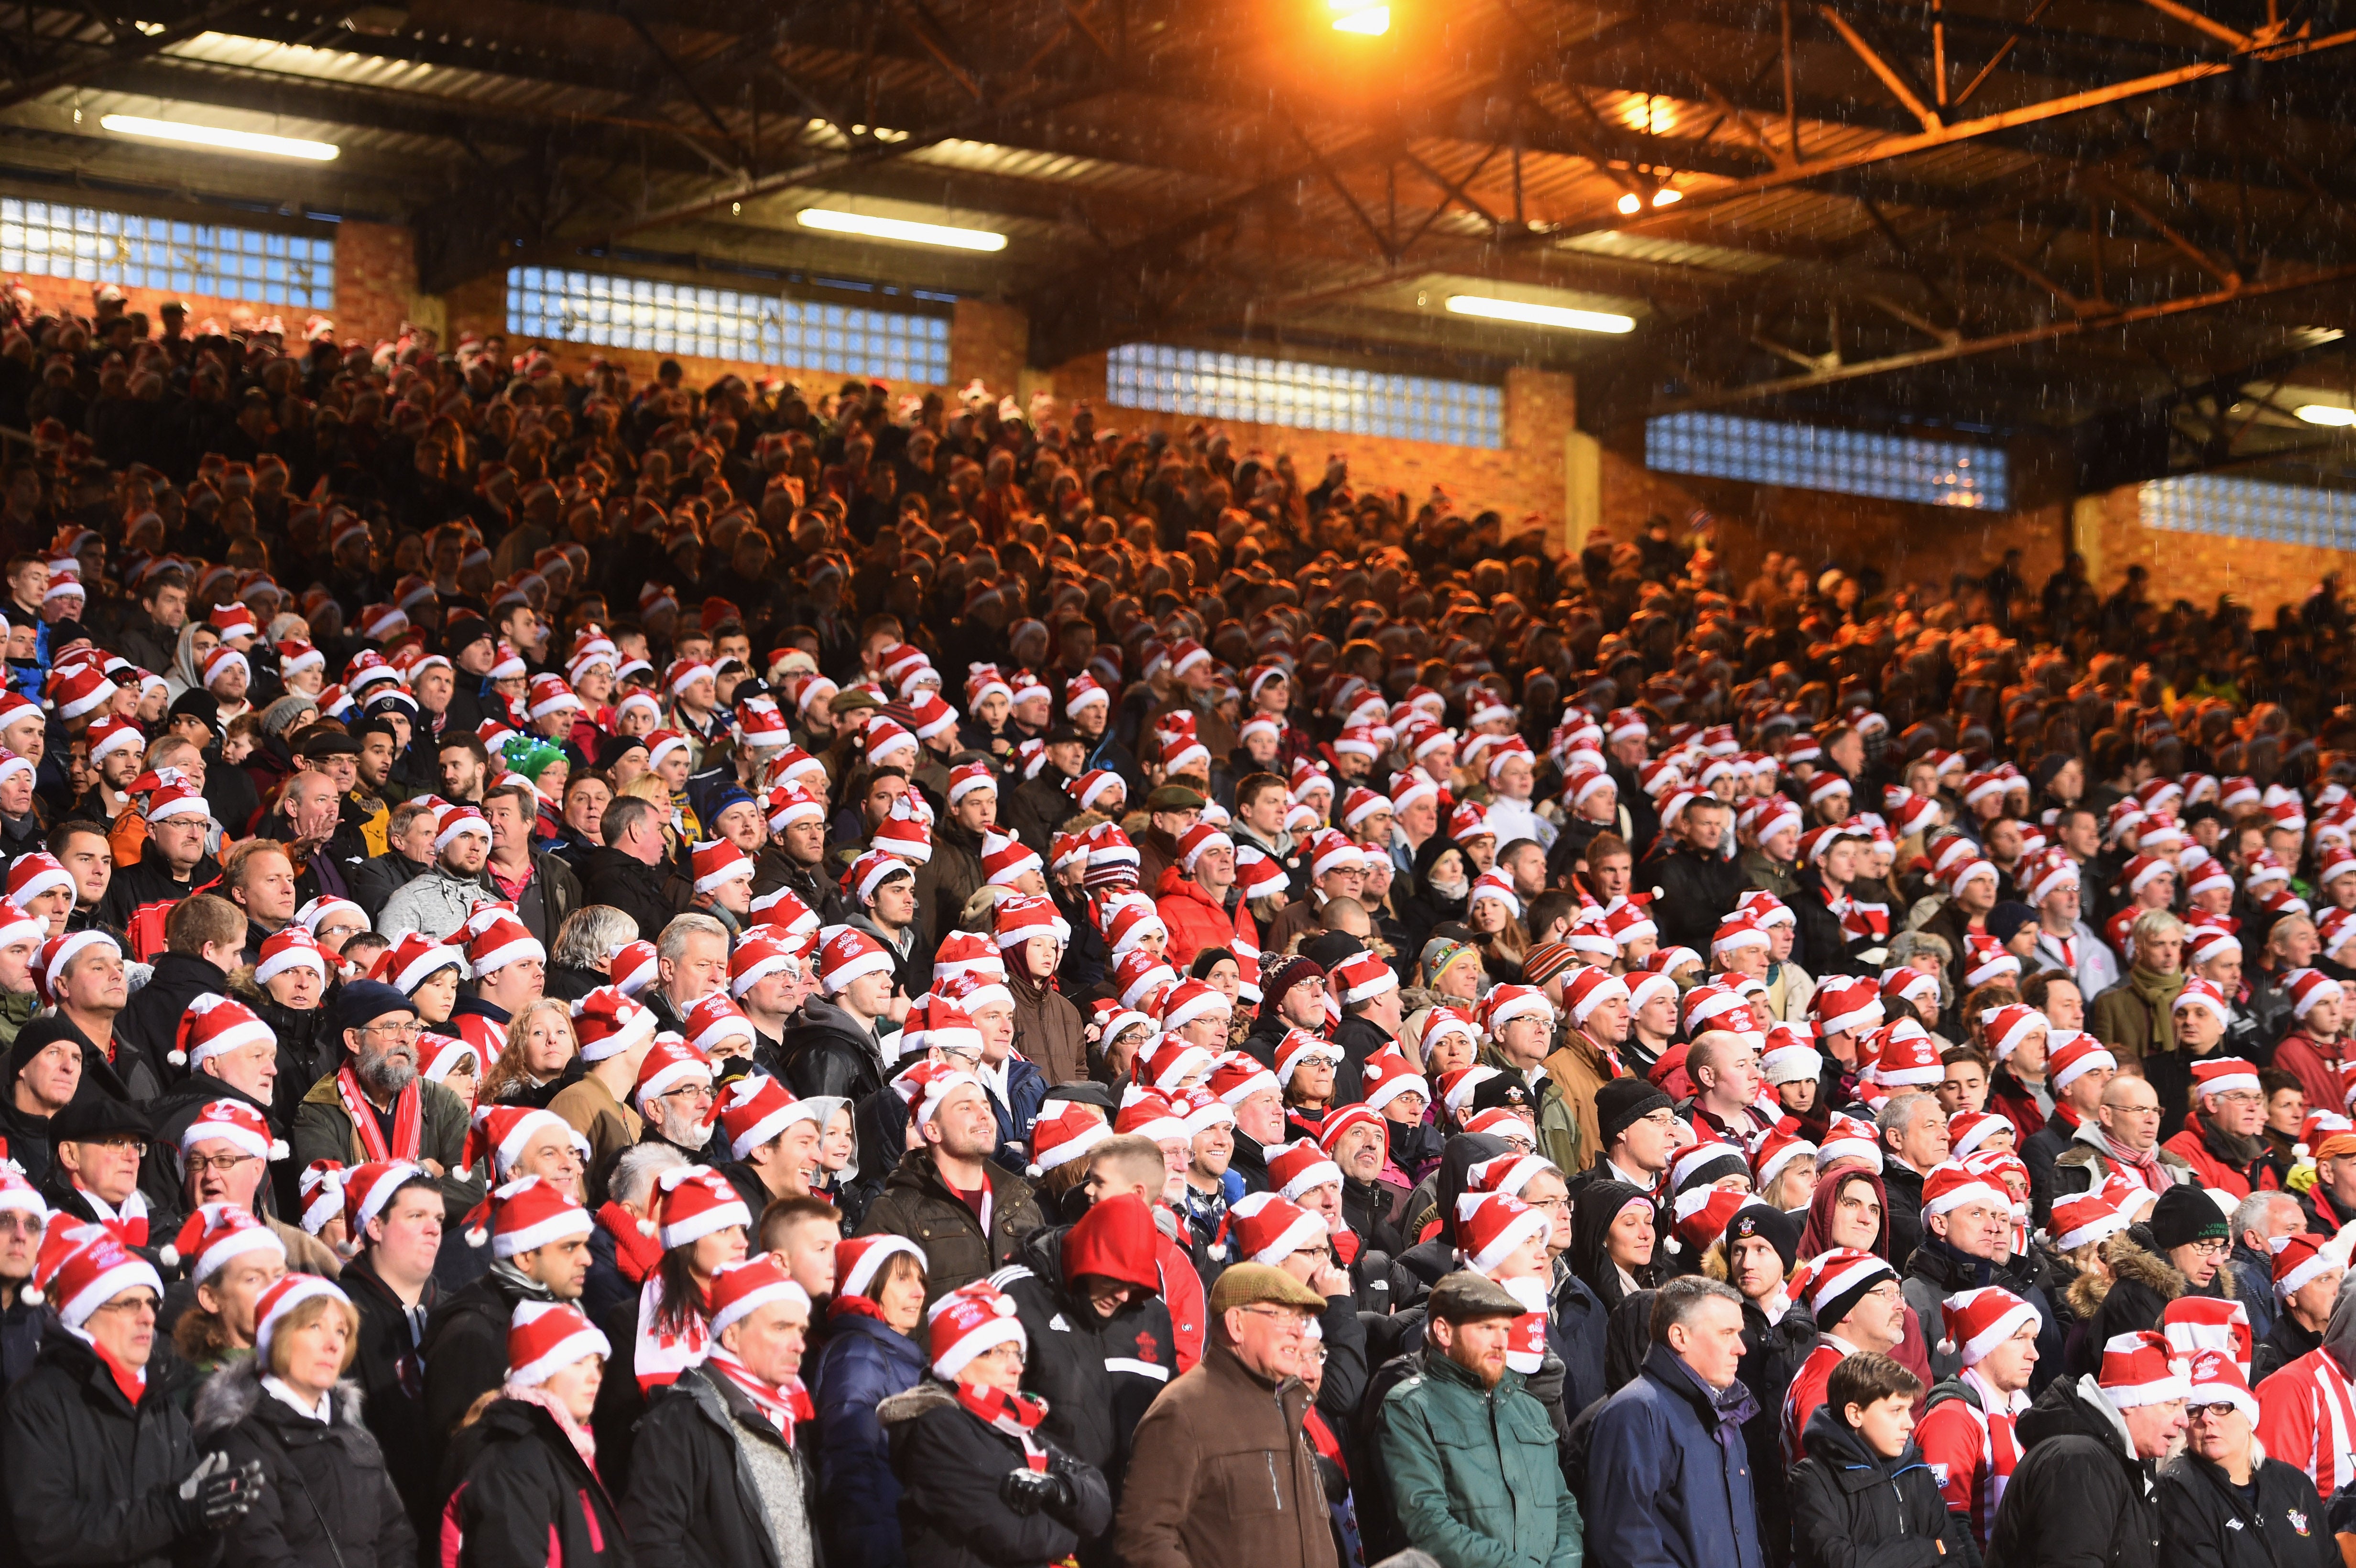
pixel 215 136
pixel 1540 314
pixel 1629 204
pixel 833 222
pixel 2326 414
pixel 1371 20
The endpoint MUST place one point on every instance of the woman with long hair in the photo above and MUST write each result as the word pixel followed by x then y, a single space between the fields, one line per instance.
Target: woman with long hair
pixel 541 1057
pixel 704 1226
pixel 873 1351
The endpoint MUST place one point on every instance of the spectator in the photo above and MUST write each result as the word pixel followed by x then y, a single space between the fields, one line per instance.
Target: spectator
pixel 102 1467
pixel 970 1215
pixel 1863 1493
pixel 1914 1142
pixel 2305 1285
pixel 392 1215
pixel 530 1490
pixel 1469 1455
pixel 2123 1136
pixel 1968 1433
pixel 1240 1411
pixel 1669 1475
pixel 326 1500
pixel 722 1481
pixel 439 903
pixel 540 1256
pixel 2084 1488
pixel 2225 1499
pixel 1967 1244
pixel 377 1107
pixel 871 1355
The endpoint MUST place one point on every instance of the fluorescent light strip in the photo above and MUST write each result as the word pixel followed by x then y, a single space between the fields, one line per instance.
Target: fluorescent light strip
pixel 1539 314
pixel 2326 414
pixel 1373 21
pixel 224 139
pixel 832 222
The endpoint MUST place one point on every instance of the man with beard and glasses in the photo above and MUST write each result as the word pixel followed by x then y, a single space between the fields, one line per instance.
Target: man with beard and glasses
pixel 376 1107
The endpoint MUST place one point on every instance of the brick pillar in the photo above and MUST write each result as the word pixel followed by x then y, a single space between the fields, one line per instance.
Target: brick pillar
pixel 988 343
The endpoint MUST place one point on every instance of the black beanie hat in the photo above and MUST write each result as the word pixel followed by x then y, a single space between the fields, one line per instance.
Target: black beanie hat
pixel 1776 1227
pixel 2184 1215
pixel 1625 1101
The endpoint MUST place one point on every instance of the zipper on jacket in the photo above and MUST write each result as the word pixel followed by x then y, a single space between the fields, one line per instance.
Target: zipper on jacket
pixel 1270 1456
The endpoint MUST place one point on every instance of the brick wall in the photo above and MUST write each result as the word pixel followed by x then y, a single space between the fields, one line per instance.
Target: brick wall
pixel 1907 543
pixel 376 283
pixel 1523 478
pixel 2198 566
pixel 991 344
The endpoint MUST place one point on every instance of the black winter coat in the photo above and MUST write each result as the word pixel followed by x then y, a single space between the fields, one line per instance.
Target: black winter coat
pixel 950 1464
pixel 93 1481
pixel 2205 1522
pixel 1823 947
pixel 392 1378
pixel 2080 1498
pixel 1772 1354
pixel 466 1350
pixel 527 1481
pixel 646 893
pixel 326 1500
pixel 829 1052
pixel 1096 1374
pixel 150 1022
pixel 1697 890
pixel 701 1507
pixel 1853 1509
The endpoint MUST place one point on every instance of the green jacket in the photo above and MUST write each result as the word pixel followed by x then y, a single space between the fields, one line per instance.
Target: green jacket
pixel 1473 1473
pixel 16 1012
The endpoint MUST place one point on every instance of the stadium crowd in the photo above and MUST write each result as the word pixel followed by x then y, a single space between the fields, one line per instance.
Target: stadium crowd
pixel 597 972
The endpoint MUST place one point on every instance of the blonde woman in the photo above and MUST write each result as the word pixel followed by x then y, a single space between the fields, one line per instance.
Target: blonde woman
pixel 537 1060
pixel 324 1495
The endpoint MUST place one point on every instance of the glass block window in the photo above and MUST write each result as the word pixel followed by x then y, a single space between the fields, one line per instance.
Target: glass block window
pixel 1817 457
pixel 723 323
pixel 89 244
pixel 2249 509
pixel 1303 396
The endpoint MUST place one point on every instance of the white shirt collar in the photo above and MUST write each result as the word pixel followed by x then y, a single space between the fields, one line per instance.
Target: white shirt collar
pixel 323 1411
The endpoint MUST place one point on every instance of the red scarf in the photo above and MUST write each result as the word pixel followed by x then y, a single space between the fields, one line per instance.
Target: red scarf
pixel 635 1253
pixel 407 1119
pixel 853 1306
pixel 784 1404
pixel 128 1224
pixel 1009 1412
pixel 132 1380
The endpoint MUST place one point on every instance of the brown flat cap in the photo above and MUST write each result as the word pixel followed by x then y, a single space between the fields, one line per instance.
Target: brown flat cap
pixel 1467 1298
pixel 1247 1285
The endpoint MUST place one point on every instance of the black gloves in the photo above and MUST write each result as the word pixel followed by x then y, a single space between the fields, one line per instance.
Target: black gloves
pixel 1028 1491
pixel 215 1496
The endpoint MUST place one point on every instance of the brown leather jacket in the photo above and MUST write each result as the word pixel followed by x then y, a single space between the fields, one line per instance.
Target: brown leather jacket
pixel 1232 1482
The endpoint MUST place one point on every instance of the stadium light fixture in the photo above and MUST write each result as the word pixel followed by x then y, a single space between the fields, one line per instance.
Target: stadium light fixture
pixel 827 220
pixel 1527 315
pixel 222 140
pixel 1357 17
pixel 2326 414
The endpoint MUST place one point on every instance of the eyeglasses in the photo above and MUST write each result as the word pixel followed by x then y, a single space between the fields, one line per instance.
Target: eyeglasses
pixel 131 1305
pixel 2213 1411
pixel 1322 1251
pixel 693 1093
pixel 1291 1322
pixel 1550 1205
pixel 397 1031
pixel 2213 1248
pixel 222 1163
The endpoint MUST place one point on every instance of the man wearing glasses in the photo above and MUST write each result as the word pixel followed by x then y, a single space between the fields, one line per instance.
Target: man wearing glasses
pixel 94 1170
pixel 1233 1478
pixel 2192 1236
pixel 377 1106
pixel 674 1095
pixel 102 1463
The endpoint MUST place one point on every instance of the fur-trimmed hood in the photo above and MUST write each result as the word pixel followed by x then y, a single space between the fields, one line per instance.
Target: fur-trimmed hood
pixel 910 1403
pixel 2129 1258
pixel 234 1392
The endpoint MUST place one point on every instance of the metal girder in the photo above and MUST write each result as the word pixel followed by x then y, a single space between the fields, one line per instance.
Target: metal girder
pixel 1997 343
pixel 1895 147
pixel 81 69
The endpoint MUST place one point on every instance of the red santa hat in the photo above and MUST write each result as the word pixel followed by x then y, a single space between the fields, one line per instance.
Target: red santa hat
pixel 278 1303
pixel 697 1201
pixel 967 1321
pixel 2222 1074
pixel 2141 1369
pixel 1066 1130
pixel 215 1234
pixel 2214 1377
pixel 2086 1217
pixel 741 1289
pixel 845 954
pixel 1298 1168
pixel 1263 1228
pixel 524 1215
pixel 2300 1259
pixel 234 1122
pixel 213 1025
pixel 607 1023
pixel 2193 1324
pixel 1979 1320
pixel 1908 1058
pixel 858 1260
pixel 546 1337
pixel 292 947
pixel 2066 1060
pixel 633 967
pixel 754 1109
pixel 1493 1227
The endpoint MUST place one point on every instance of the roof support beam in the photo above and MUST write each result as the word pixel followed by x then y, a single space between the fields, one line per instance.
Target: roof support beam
pixel 1997 343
